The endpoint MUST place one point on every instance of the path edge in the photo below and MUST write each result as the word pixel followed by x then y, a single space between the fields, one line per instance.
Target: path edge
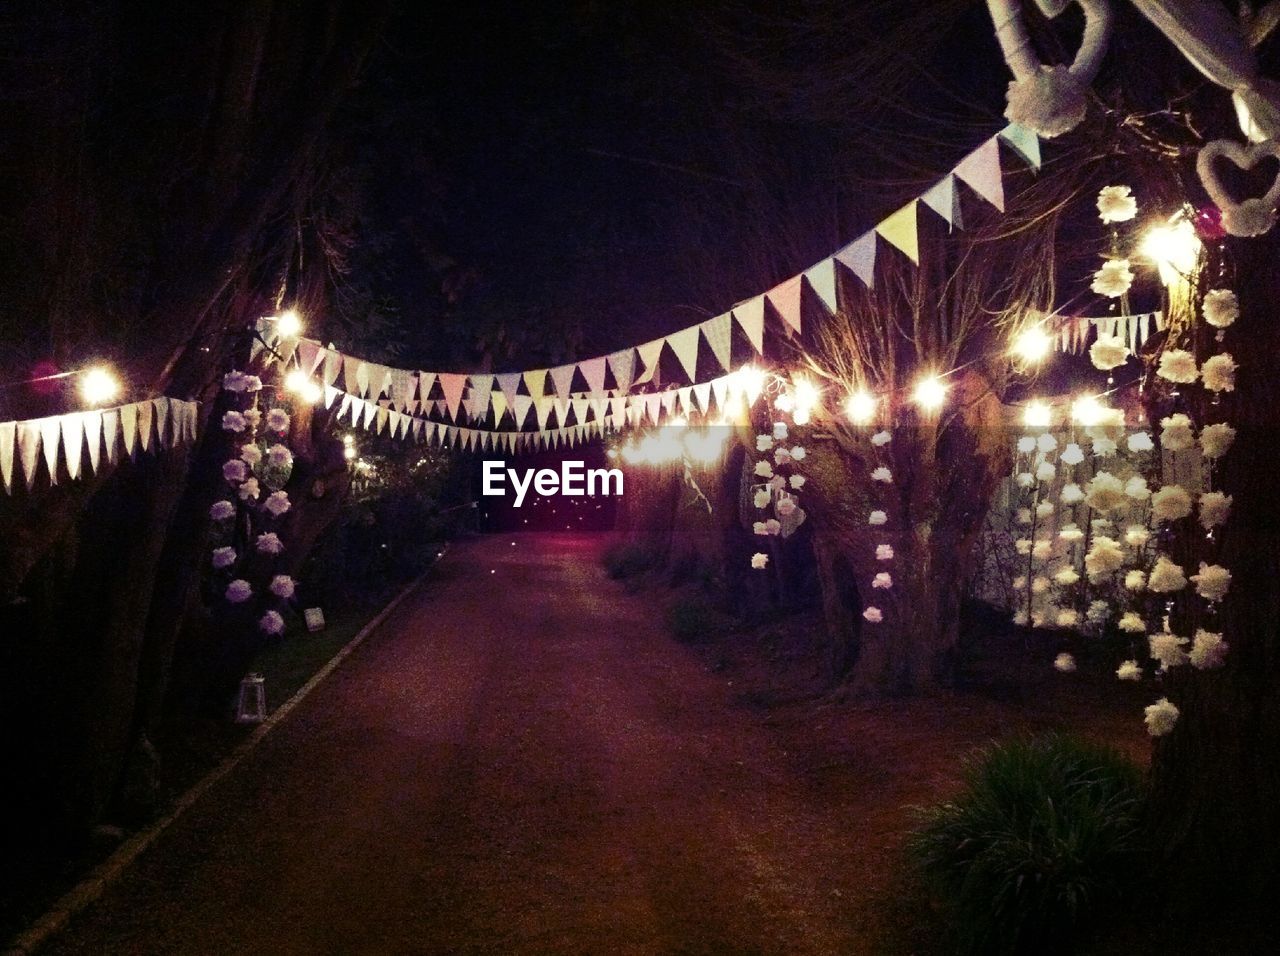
pixel 109 870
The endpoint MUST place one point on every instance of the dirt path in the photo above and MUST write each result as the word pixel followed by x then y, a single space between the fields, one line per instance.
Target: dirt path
pixel 521 760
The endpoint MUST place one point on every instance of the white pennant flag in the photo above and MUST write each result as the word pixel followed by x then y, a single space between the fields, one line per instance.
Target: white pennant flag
pixel 685 344
pixel 719 334
pixel 623 365
pixel 50 437
pixel 145 415
pixel 650 353
pixel 750 316
pixel 8 435
pixel 92 439
pixel 73 442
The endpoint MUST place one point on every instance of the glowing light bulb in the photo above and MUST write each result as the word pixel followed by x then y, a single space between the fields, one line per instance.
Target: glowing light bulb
pixel 930 393
pixel 1036 415
pixel 99 386
pixel 750 381
pixel 302 386
pixel 1174 247
pixel 860 407
pixel 679 422
pixel 289 324
pixel 1088 411
pixel 349 452
pixel 705 446
pixel 1032 344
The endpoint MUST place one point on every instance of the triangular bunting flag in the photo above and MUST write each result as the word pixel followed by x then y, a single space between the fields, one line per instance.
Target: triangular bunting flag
pixel 900 230
pixel 685 344
pixel 1023 142
pixel 520 406
pixel 750 316
pixel 111 433
pixel 73 441
pixel 129 427
pixel 145 416
pixel 702 395
pixel 562 379
pixel 980 170
pixel 623 365
pixel 943 199
pixel 593 371
pixel 822 280
pixel 720 389
pixel 28 443
pixel 509 383
pixel 50 437
pixel 860 257
pixel 719 334
pixel 536 383
pixel 310 355
pixel 8 434
pixel 650 352
pixel 332 366
pixel 92 439
pixel 452 385
pixel 161 417
pixel 785 297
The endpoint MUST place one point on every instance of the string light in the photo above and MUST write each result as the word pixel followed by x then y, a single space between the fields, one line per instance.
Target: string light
pixel 806 397
pixel 860 407
pixel 303 386
pixel 1032 344
pixel 750 381
pixel 98 386
pixel 289 325
pixel 930 393
pixel 1174 247
pixel 1036 415
pixel 1088 411
pixel 705 446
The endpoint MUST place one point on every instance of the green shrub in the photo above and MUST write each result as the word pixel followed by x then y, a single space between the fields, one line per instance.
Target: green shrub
pixel 691 620
pixel 1044 836
pixel 626 561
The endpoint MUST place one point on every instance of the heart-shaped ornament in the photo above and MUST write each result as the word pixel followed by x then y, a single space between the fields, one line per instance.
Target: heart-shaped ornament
pixel 1249 217
pixel 1050 100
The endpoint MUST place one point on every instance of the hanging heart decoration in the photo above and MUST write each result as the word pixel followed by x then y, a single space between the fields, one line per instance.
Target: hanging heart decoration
pixel 1049 100
pixel 1249 217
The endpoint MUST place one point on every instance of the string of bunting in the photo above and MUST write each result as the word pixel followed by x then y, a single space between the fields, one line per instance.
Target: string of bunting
pixel 63 442
pixel 1072 333
pixel 603 378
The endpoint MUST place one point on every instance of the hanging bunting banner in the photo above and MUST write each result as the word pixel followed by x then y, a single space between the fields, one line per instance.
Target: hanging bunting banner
pixel 750 316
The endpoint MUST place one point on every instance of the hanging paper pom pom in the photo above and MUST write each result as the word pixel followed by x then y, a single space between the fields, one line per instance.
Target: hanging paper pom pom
pixel 1160 717
pixel 1049 102
pixel 1116 204
pixel 1064 663
pixel 1220 308
pixel 759 561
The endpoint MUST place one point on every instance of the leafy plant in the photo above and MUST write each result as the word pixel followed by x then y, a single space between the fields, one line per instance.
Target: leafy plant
pixel 1044 836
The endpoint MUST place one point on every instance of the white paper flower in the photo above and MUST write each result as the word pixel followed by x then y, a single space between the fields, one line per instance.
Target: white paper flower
pixel 1072 494
pixel 873 615
pixel 1104 557
pixel 1160 717
pixel 884 552
pixel 1045 471
pixel 882 474
pixel 1108 352
pixel 1136 488
pixel 222 510
pixel 278 456
pixel 252 417
pixel 1176 433
pixel 759 528
pixel 1027 444
pixel 1020 618
pixel 1070 533
pixel 785 506
pixel 1023 545
pixel 1039 584
pixel 250 454
pixel 234 470
pixel 880 438
pixel 1098 611
pixel 780 431
pixel 277 503
pixel 249 490
pixel 233 421
pixel 1166 577
pixel 1104 492
pixel 764 469
pixel 798 453
pixel 224 557
pixel 239 591
pixel 797 482
pixel 1065 663
pixel 764 443
pixel 1170 503
pixel 1167 649
pixel 877 518
pixel 1068 617
pixel 282 586
pixel 1216 439
pixel 1025 479
pixel 271 623
pixel 1044 509
pixel 1135 580
pixel 1220 308
pixel 278 420
pixel 1116 204
pixel 762 498
pixel 1131 622
pixel 1214 509
pixel 1208 650
pixel 882 580
pixel 1066 577
pixel 1073 454
pixel 1103 447
pixel 1178 366
pixel 1129 670
pixel 773 526
pixel 1019 582
pixel 759 561
pixel 1213 582
pixel 269 543
pixel 1113 279
pixel 781 456
pixel 1100 525
pixel 1136 535
pixel 1140 441
pixel 1046 442
pixel 234 381
pixel 1219 372
pixel 1042 549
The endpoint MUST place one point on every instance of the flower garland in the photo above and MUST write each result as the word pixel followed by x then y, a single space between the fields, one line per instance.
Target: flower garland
pixel 256 501
pixel 781 479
